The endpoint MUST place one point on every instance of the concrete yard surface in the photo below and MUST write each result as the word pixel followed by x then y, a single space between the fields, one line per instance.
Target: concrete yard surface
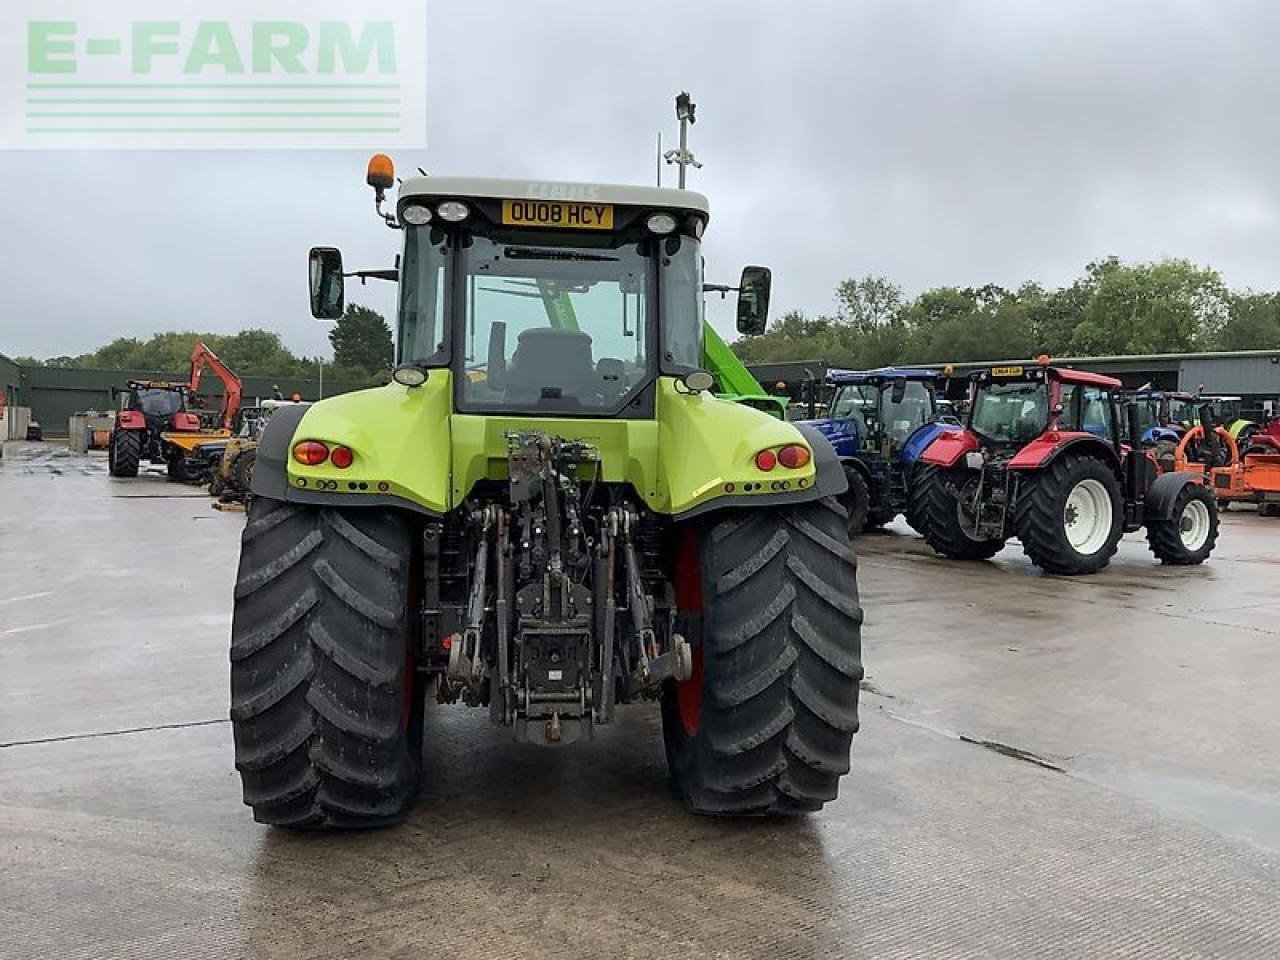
pixel 1047 767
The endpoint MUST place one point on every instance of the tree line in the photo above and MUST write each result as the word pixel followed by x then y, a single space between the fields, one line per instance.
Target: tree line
pixel 361 340
pixel 1170 306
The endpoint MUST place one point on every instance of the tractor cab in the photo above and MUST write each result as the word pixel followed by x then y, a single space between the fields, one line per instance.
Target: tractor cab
pixel 1043 458
pixel 879 423
pixel 1163 415
pixel 1014 407
pixel 163 405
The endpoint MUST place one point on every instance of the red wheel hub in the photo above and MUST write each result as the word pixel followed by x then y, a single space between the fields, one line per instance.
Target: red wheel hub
pixel 689 601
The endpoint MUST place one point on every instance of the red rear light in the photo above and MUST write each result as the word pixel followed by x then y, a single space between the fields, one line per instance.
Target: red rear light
pixel 341 457
pixel 766 460
pixel 310 453
pixel 794 456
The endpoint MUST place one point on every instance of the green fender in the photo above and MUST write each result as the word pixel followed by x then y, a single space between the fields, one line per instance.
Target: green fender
pixel 411 450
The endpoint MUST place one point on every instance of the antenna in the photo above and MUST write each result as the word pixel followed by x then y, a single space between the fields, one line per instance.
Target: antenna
pixel 686 112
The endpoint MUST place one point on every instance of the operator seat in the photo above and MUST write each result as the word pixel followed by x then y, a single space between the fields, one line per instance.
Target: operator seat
pixel 548 358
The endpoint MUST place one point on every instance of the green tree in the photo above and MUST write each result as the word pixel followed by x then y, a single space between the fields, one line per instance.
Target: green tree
pixel 362 340
pixel 1253 322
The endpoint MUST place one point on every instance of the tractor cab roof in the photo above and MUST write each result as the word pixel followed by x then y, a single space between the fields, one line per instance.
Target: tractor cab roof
pixel 156 385
pixel 1150 394
pixel 484 188
pixel 1028 371
pixel 881 375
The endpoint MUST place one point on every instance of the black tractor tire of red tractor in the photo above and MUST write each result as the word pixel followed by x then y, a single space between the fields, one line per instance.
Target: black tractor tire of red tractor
pixel 1040 515
pixel 322 685
pixel 242 472
pixel 856 500
pixel 776 676
pixel 124 453
pixel 934 512
pixel 1187 536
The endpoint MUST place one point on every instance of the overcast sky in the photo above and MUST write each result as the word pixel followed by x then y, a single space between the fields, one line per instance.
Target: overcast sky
pixel 942 142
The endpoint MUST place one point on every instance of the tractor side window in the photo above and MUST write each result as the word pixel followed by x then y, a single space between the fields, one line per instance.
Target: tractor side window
pixel 1068 398
pixel 914 410
pixel 854 402
pixel 683 306
pixel 1095 411
pixel 422 337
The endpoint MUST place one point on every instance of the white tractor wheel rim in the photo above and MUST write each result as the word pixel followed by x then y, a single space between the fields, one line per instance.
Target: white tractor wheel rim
pixel 1194 525
pixel 1087 517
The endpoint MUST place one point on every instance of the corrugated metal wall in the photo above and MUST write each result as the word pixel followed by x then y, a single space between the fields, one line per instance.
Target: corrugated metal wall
pixel 55 394
pixel 1247 376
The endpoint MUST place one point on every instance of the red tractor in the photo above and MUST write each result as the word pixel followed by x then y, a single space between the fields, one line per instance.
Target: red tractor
pixel 1042 458
pixel 154 423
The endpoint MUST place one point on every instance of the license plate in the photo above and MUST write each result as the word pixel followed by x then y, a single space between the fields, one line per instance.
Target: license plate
pixel 1006 371
pixel 557 213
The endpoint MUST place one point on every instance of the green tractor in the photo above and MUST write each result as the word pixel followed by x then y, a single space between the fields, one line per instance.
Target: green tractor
pixel 544 515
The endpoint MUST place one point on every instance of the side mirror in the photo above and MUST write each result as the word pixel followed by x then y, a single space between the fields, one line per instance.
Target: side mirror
pixel 753 300
pixel 899 391
pixel 328 293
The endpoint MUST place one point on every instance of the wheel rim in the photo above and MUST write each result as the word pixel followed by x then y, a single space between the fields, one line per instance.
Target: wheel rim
pixel 689 600
pixel 1193 527
pixel 1087 516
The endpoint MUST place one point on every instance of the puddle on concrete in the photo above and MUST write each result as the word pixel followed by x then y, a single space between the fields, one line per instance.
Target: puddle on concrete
pixel 1226 811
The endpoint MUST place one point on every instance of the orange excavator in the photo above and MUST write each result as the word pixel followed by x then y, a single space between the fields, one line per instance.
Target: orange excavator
pixel 155 423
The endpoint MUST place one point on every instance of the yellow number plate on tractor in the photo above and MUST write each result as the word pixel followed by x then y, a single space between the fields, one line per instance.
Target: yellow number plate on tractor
pixel 1006 371
pixel 557 213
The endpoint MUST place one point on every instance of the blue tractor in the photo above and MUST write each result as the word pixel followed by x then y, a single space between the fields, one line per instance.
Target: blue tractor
pixel 880 422
pixel 1163 417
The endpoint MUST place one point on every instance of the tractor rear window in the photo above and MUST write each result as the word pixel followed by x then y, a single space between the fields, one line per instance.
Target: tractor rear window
pixel 1011 412
pixel 555 328
pixel 158 403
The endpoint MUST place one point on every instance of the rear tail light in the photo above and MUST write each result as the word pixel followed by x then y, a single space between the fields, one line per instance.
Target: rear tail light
pixel 766 460
pixel 310 453
pixel 794 456
pixel 341 457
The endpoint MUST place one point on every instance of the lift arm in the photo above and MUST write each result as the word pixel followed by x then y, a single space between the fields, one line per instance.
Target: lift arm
pixel 202 357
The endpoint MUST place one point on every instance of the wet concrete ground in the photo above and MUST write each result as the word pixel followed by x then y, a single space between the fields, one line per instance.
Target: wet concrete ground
pixel 1047 768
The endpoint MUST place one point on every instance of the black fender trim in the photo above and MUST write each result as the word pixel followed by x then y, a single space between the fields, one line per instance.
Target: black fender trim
pixel 1163 495
pixel 829 481
pixel 271 475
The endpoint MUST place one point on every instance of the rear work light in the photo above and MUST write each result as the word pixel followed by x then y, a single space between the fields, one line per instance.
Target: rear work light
pixel 341 457
pixel 310 453
pixel 794 456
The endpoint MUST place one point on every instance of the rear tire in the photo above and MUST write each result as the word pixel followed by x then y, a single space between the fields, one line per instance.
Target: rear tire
pixel 1062 517
pixel 764 725
pixel 856 500
pixel 1187 537
pixel 935 513
pixel 322 696
pixel 124 453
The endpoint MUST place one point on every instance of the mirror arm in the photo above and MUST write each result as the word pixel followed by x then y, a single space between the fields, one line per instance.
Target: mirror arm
pixel 379 197
pixel 366 275
pixel 721 288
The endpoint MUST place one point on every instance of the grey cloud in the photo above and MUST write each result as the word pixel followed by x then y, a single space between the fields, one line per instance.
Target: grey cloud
pixel 933 142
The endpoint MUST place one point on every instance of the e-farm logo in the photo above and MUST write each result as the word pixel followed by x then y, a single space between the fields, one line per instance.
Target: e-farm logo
pixel 213 74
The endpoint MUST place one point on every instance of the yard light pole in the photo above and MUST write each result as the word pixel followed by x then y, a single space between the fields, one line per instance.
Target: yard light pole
pixel 686 111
